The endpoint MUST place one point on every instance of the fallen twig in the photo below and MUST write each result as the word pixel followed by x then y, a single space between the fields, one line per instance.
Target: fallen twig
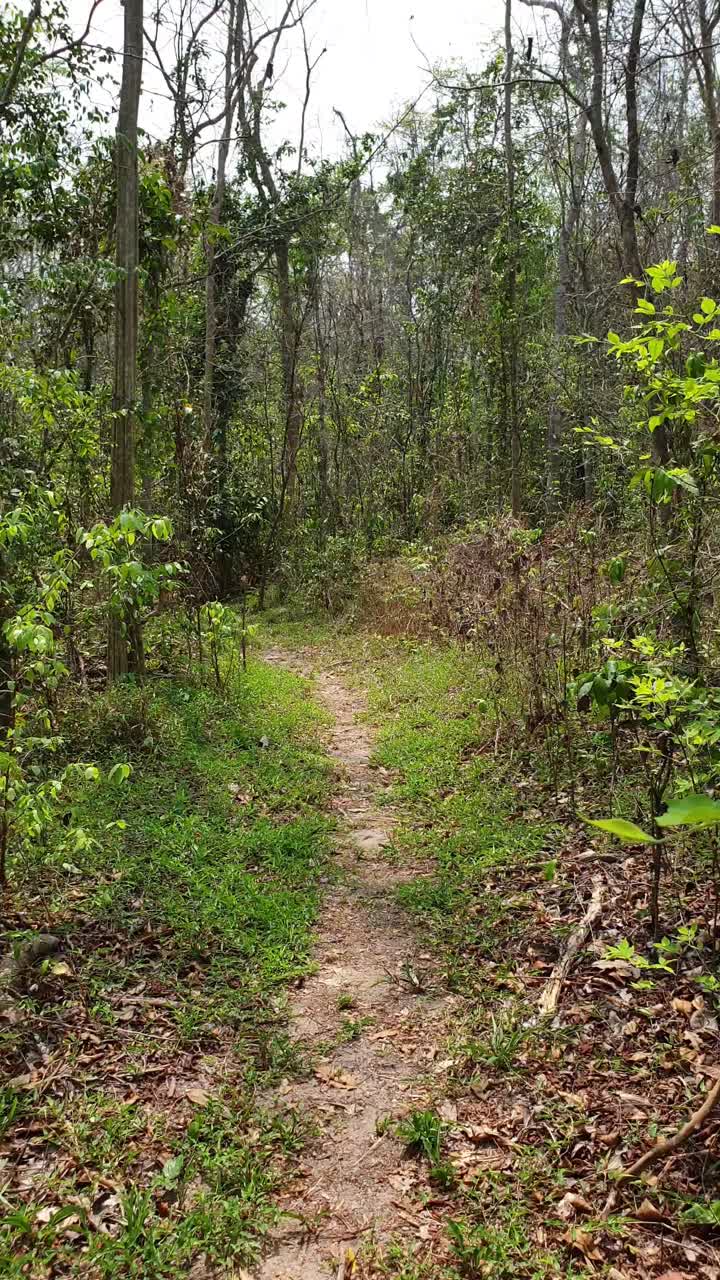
pixel 551 993
pixel 364 1156
pixel 671 1144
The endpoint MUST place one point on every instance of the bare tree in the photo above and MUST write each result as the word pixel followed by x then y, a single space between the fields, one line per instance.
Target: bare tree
pixel 252 96
pixel 192 88
pixel 623 196
pixel 569 174
pixel 621 184
pixel 698 22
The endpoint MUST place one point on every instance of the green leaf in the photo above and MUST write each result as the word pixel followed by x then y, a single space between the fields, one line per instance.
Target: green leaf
pixel 693 810
pixel 119 773
pixel 629 832
pixel 172 1168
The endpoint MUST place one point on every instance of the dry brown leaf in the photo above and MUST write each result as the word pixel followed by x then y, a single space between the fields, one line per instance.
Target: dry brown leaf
pixel 572 1204
pixel 649 1212
pixel 703 1022
pixel 199 1097
pixel 710 1070
pixel 620 967
pixel 635 1098
pixel 335 1077
pixel 582 1242
pixel 445 1065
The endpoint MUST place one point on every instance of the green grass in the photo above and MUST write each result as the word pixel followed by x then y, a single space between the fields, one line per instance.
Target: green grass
pixel 181 932
pixel 436 733
pixel 224 839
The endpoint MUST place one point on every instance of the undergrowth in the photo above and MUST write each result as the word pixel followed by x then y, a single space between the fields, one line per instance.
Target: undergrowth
pixel 180 930
pixel 436 734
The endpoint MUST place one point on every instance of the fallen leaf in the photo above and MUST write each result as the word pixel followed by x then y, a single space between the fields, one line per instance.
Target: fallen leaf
pixel 334 1076
pixel 635 1099
pixel 199 1097
pixel 621 967
pixel 582 1242
pixel 649 1212
pixel 572 1204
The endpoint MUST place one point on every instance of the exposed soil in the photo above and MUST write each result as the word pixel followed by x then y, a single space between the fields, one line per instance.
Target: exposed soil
pixel 350 1189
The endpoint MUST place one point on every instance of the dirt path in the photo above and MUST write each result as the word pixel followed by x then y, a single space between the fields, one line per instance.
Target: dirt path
pixel 352 1187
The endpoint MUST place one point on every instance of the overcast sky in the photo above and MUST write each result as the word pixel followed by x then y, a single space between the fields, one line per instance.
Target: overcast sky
pixel 376 57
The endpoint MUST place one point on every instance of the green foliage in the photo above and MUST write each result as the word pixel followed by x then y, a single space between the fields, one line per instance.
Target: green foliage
pixel 702 1214
pixel 503 1043
pixel 629 832
pixel 691 811
pixel 230 886
pixel 423 1133
pixel 134 584
pixel 326 576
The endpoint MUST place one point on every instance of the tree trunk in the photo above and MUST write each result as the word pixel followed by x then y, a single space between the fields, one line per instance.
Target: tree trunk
pixel 291 384
pixel 7 700
pixel 622 201
pixel 562 297
pixel 709 90
pixel 511 277
pixel 214 221
pixel 126 298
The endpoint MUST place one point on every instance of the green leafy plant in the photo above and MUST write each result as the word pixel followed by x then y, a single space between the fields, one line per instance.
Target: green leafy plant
pixel 423 1133
pixel 500 1048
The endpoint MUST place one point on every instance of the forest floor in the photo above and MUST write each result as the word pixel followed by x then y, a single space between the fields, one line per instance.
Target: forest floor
pixel 372 973
pixel 293 1031
pixel 476 1137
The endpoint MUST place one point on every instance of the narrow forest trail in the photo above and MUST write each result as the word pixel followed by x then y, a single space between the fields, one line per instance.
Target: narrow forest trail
pixel 350 1191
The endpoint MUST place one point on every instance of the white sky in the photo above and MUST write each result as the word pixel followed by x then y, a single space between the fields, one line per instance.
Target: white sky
pixel 375 62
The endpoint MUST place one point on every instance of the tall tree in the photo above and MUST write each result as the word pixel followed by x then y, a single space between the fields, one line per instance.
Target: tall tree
pixel 622 195
pixel 512 377
pixel 126 297
pixel 699 21
pixel 252 100
pixel 214 222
